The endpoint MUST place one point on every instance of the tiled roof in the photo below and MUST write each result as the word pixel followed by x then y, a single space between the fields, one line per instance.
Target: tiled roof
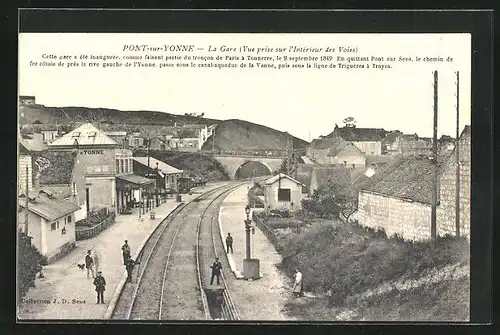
pixel 162 166
pixel 135 179
pixel 54 167
pixel 339 175
pixel 322 143
pixel 339 145
pixel 406 177
pixel 360 134
pixel 279 176
pixel 86 134
pixel 49 207
pixel 32 145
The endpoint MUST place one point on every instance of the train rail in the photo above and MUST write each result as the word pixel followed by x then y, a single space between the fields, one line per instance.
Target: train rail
pixel 206 250
pixel 167 286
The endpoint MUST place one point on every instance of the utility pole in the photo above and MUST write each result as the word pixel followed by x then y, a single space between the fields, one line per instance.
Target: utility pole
pixel 457 162
pixel 287 156
pixel 26 202
pixel 434 160
pixel 213 139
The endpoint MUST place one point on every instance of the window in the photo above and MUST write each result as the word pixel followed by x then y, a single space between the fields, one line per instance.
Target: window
pixel 69 219
pixel 117 166
pixel 74 188
pixel 57 224
pixel 284 194
pixel 53 226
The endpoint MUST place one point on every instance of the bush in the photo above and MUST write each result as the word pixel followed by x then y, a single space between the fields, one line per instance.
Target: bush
pixel 349 259
pixel 93 218
pixel 30 262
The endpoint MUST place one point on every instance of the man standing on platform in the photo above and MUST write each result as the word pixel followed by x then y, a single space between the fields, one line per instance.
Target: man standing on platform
pixel 130 267
pixel 125 252
pixel 229 242
pixel 216 269
pixel 89 264
pixel 100 287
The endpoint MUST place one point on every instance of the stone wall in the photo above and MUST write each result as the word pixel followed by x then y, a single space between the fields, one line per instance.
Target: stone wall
pixel 24 160
pixel 446 208
pixel 410 220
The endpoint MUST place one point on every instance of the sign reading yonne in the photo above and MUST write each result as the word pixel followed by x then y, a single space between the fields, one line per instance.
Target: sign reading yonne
pixel 92 152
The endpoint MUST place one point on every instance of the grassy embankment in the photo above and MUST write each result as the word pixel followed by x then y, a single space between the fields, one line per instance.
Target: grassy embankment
pixel 192 163
pixel 372 277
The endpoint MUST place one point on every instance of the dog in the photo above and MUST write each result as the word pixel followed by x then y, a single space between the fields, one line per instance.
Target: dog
pixel 81 266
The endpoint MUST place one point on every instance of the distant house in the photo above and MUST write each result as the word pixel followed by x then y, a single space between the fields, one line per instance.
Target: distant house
pixel 282 192
pixel 136 140
pixel 336 151
pixel 368 140
pixel 51 223
pixel 166 176
pixel 27 100
pixel 158 143
pixel 119 137
pixel 58 173
pixel 50 132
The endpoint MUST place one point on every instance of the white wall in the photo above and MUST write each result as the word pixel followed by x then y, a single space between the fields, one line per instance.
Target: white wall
pixel 54 238
pixel 271 195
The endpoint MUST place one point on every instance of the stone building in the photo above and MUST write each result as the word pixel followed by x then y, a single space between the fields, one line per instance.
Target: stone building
pixel 166 176
pixel 398 198
pixel 335 151
pixel 95 152
pixel 368 140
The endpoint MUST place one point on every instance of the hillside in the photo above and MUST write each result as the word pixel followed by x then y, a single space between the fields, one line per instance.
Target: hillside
pixel 244 135
pixel 68 115
pixel 193 164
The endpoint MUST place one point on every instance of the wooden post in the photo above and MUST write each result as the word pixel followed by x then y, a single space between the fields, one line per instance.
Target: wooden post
pixel 434 160
pixel 457 162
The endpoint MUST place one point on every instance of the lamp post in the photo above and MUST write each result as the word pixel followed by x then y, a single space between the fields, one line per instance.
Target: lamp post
pixel 250 265
pixel 248 223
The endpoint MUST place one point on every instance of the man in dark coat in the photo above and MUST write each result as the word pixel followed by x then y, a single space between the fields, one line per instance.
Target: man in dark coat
pixel 229 243
pixel 216 269
pixel 89 264
pixel 125 252
pixel 100 287
pixel 130 267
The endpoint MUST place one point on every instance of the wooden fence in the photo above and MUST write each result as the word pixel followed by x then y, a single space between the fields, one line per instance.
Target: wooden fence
pixel 268 232
pixel 86 233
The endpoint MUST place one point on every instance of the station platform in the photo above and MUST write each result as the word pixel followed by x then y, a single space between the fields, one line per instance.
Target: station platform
pixel 65 292
pixel 263 298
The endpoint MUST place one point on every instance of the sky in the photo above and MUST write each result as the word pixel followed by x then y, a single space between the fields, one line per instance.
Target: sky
pixel 305 102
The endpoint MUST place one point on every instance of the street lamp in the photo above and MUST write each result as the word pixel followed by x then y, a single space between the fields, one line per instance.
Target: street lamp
pixel 250 265
pixel 248 223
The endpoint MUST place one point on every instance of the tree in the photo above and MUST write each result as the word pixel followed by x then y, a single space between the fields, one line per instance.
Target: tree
pixel 30 261
pixel 349 122
pixel 329 200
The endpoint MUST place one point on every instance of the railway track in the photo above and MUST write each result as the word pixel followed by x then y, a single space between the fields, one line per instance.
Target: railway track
pixel 206 251
pixel 167 278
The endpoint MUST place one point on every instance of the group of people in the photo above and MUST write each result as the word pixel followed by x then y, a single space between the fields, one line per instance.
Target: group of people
pixel 92 261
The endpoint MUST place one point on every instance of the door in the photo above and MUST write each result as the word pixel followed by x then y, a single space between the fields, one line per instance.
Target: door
pixel 87 198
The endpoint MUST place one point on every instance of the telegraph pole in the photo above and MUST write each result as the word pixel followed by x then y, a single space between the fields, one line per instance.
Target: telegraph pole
pixel 434 160
pixel 287 155
pixel 26 201
pixel 213 139
pixel 457 162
